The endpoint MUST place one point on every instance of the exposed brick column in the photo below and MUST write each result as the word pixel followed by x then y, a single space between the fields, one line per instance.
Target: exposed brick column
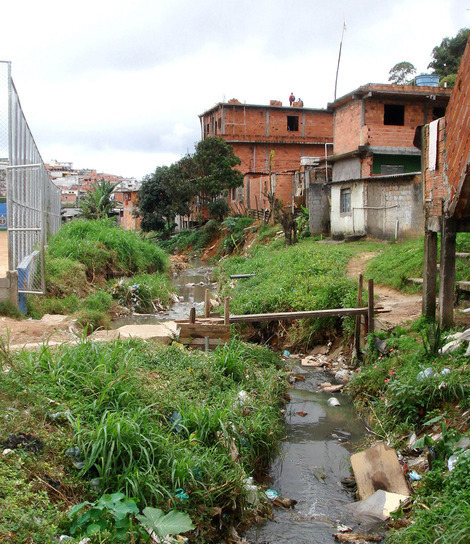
pixel 430 274
pixel 447 273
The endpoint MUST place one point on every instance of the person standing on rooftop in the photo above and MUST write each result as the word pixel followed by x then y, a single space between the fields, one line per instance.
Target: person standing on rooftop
pixel 291 99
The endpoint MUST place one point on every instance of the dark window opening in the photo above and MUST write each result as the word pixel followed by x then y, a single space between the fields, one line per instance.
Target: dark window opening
pixel 394 114
pixel 437 113
pixel 292 123
pixel 345 202
pixel 219 122
pixel 388 169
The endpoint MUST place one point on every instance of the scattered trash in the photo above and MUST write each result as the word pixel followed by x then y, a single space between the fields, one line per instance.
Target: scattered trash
pixel 7 451
pixel 242 398
pixel 378 506
pixel 319 473
pixel 342 375
pixel 74 453
pixel 412 440
pixel 378 468
pixel 381 345
pixel 343 529
pixel 414 476
pixel 176 419
pixel 181 495
pixel 333 402
pixel 60 417
pixel 63 538
pixel 286 353
pixel 271 494
pixel 311 361
pixel 445 371
pixel 356 537
pixel 332 388
pixel 302 414
pixel 284 502
pixel 425 374
pixel 252 491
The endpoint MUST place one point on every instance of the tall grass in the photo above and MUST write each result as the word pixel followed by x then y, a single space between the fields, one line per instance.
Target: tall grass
pixel 151 420
pixel 308 276
pixel 105 249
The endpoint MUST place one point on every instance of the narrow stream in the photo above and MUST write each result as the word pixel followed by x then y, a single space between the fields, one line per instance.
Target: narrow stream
pixel 313 458
pixel 312 461
pixel 190 284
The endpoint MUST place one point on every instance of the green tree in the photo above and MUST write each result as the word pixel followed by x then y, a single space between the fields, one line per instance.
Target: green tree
pixel 402 73
pixel 165 194
pixel 213 166
pixel 97 202
pixel 447 55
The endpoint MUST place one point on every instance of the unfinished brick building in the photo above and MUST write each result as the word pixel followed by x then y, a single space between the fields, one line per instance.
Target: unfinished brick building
pixel 446 176
pixel 255 131
pixel 376 183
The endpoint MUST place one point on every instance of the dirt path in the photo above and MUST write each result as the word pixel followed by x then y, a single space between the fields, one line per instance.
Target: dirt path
pixel 403 307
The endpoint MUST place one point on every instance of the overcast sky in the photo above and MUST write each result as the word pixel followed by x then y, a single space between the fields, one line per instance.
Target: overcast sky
pixel 118 85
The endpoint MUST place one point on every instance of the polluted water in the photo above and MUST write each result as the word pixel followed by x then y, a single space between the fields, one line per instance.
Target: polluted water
pixel 189 285
pixel 312 461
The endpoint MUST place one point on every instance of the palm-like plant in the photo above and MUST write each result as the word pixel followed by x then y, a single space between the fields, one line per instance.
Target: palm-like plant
pixel 97 203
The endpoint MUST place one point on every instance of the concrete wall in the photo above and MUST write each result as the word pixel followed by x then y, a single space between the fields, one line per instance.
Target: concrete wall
pixel 399 200
pixel 347 169
pixel 9 288
pixel 351 223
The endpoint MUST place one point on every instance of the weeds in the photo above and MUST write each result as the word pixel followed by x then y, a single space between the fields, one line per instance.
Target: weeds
pixel 157 424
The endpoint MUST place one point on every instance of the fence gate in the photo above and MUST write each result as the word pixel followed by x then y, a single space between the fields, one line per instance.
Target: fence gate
pixel 33 201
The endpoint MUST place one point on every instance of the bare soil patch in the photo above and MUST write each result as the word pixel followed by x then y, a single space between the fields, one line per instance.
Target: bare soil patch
pixel 51 328
pixel 403 307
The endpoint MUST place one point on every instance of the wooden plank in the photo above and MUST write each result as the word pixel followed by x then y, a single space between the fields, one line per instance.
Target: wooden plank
pixel 236 276
pixel 463 285
pixel 378 468
pixel 192 315
pixel 207 303
pixel 227 311
pixel 199 330
pixel 357 330
pixel 283 316
pixel 199 319
pixel 370 313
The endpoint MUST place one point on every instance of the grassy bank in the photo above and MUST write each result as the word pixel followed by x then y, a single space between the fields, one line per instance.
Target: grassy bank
pixel 81 262
pixel 392 391
pixel 168 427
pixel 307 276
pixel 397 262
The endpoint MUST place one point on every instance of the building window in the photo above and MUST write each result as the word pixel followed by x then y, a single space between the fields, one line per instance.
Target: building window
pixel 437 113
pixel 345 203
pixel 394 114
pixel 388 169
pixel 292 123
pixel 219 123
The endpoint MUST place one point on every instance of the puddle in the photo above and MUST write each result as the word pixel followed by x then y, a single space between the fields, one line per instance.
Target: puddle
pixel 190 284
pixel 312 461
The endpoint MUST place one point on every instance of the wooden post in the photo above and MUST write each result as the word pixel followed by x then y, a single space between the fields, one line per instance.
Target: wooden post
pixel 207 303
pixel 227 311
pixel 206 343
pixel 192 315
pixel 357 331
pixel 370 313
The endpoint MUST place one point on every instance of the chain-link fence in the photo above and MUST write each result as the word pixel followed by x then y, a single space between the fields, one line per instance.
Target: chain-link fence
pixel 33 201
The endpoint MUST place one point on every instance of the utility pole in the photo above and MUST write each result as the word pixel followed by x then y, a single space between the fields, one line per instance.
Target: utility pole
pixel 339 56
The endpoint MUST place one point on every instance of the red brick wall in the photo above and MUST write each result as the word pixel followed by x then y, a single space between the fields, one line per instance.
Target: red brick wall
pixel 458 137
pixel 254 124
pixel 347 127
pixel 258 184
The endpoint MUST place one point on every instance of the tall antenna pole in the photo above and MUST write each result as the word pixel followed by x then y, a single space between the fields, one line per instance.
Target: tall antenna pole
pixel 339 56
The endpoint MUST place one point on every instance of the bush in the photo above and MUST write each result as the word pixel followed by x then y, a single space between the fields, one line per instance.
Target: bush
pixel 65 277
